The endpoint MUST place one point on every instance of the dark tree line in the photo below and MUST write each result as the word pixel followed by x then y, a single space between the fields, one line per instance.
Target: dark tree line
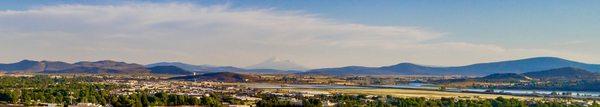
pixel 584 85
pixel 389 101
pixel 43 89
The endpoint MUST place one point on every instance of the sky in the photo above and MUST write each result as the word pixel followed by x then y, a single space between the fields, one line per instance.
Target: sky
pixel 313 33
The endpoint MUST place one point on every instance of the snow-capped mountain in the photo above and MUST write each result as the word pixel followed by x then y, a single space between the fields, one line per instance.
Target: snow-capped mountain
pixel 279 64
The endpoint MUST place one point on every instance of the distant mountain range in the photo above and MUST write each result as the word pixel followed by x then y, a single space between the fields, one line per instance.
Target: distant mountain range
pixel 108 66
pixel 219 77
pixel 566 73
pixel 278 64
pixel 209 69
pixel 187 67
pixel 514 66
pixel 558 74
pixel 177 68
pixel 105 66
pixel 169 70
pixel 583 79
pixel 505 77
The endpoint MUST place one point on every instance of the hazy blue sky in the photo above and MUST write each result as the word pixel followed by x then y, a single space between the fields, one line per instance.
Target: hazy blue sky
pixel 315 33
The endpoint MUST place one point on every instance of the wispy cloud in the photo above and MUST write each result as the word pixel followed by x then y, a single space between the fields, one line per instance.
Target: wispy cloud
pixel 215 34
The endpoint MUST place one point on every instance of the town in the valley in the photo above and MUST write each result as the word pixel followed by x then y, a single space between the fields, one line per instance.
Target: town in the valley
pixel 249 90
pixel 299 53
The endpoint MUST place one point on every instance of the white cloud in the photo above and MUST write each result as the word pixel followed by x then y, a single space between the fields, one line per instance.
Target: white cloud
pixel 146 33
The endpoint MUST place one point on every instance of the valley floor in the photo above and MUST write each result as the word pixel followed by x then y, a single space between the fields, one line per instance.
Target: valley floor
pixel 406 93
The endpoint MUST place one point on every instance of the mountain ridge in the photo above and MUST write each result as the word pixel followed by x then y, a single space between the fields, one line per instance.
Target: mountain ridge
pixel 219 77
pixel 479 69
pixel 211 69
pixel 566 73
pixel 185 66
pixel 558 74
pixel 103 66
pixel 169 70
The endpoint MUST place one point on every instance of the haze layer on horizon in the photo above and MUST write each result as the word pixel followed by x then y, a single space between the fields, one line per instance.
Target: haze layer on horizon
pixel 312 33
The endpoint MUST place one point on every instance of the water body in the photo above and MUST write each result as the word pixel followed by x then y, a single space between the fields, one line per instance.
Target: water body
pixel 544 92
pixel 503 91
pixel 420 86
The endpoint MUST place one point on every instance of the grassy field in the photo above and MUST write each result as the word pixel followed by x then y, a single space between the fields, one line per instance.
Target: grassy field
pixel 410 93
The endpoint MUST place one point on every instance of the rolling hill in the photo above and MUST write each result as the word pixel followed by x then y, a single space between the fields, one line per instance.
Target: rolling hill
pixel 105 66
pixel 172 70
pixel 209 69
pixel 219 77
pixel 349 70
pixel 120 67
pixel 567 73
pixel 505 77
pixel 187 67
pixel 88 70
pixel 481 69
pixel 559 74
pixel 35 66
